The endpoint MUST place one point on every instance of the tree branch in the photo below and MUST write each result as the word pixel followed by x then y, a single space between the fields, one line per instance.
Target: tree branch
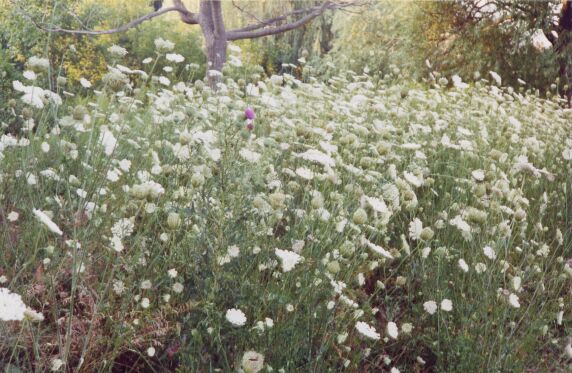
pixel 251 15
pixel 186 16
pixel 270 21
pixel 259 30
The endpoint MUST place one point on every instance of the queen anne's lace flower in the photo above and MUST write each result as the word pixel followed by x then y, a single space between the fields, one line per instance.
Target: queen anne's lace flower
pixel 12 308
pixel 252 362
pixel 430 307
pixel 392 330
pixel 45 219
pixel 236 317
pixel 367 330
pixel 288 259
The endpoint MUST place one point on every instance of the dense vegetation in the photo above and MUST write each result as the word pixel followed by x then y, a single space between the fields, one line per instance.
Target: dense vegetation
pixel 318 220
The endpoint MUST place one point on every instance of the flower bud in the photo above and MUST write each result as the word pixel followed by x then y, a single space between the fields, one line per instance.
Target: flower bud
pixel 174 220
pixel 360 216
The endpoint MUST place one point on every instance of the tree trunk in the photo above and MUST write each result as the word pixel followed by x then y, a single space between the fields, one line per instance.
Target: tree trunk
pixel 212 26
pixel 563 49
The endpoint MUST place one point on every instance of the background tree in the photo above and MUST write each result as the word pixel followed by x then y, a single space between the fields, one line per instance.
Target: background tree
pixel 475 36
pixel 211 21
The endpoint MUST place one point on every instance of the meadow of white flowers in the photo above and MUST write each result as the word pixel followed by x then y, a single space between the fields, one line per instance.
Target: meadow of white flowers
pixel 351 225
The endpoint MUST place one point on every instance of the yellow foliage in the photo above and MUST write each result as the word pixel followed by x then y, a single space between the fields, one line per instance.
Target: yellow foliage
pixel 87 63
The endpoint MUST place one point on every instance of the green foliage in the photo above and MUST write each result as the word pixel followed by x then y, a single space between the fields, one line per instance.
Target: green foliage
pixel 455 43
pixel 140 44
pixel 275 52
pixel 345 203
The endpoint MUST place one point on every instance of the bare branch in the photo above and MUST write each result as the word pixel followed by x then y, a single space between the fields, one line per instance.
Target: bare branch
pixel 270 21
pixel 251 15
pixel 261 29
pixel 186 16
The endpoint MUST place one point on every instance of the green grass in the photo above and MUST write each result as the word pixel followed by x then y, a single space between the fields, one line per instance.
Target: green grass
pixel 211 197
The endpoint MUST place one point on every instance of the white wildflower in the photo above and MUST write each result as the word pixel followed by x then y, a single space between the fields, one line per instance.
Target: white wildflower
pixel 446 305
pixel 478 175
pixel 288 259
pixel 305 173
pixel 496 77
pixel 236 317
pixel 108 141
pixel 378 249
pixel 463 265
pixel 415 228
pixel 12 308
pixel 513 300
pixel 252 362
pixel 539 41
pixel 317 156
pixel 367 331
pixel 174 57
pixel 430 307
pixel 392 330
pixel 85 83
pixel 489 252
pixel 249 155
pixel 45 219
pixel 117 50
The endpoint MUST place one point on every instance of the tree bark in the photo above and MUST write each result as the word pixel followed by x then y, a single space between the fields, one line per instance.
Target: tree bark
pixel 212 26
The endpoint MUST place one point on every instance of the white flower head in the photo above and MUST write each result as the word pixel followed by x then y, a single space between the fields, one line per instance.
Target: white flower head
pixel 85 83
pixel 233 251
pixel 463 265
pixel 12 308
pixel 430 307
pixel 252 362
pixel 30 75
pixel 236 317
pixel 56 364
pixel 496 77
pixel 413 179
pixel 117 50
pixel 305 173
pixel 367 330
pixel 45 219
pixel 378 249
pixel 446 305
pixel 151 351
pixel 480 267
pixel 163 45
pixel 392 330
pixel 178 287
pixel 513 300
pixel 478 175
pixel 13 216
pixel 288 259
pixel 33 315
pixel 317 156
pixel 108 141
pixel 249 155
pixel 539 41
pixel 172 273
pixel 415 228
pixel 489 252
pixel 174 57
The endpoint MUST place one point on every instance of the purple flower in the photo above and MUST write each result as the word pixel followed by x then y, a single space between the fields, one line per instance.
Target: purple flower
pixel 249 113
